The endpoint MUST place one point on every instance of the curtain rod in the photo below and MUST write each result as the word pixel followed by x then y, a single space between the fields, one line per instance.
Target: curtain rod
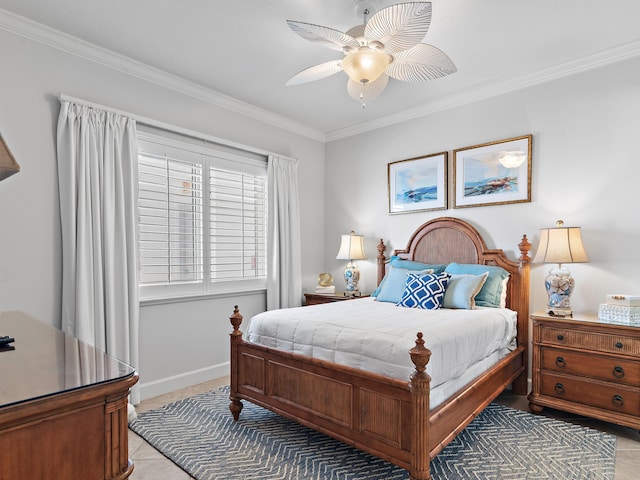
pixel 169 127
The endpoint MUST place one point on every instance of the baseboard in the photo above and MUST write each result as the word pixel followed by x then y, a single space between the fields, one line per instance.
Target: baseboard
pixel 187 379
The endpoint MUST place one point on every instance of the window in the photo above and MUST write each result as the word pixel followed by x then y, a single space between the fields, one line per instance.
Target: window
pixel 202 219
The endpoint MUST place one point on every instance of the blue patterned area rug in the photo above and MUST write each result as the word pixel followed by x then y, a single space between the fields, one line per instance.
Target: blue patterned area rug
pixel 200 436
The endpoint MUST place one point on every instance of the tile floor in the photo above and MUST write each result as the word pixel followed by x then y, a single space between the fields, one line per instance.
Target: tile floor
pixel 152 465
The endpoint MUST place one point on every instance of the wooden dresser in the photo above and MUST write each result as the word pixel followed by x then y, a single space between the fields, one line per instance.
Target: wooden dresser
pixel 63 406
pixel 588 367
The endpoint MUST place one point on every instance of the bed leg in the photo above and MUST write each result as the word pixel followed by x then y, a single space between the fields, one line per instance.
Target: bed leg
pixel 236 337
pixel 420 388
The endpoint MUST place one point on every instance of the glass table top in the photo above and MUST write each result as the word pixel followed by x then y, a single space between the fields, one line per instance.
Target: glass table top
pixel 45 361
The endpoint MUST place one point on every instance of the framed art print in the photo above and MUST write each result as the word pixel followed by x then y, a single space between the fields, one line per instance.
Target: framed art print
pixel 495 173
pixel 418 184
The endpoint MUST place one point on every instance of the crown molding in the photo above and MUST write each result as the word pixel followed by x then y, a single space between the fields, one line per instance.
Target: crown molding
pixel 38 32
pixel 56 39
pixel 590 62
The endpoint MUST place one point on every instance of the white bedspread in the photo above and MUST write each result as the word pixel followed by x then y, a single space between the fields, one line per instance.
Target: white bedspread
pixel 376 336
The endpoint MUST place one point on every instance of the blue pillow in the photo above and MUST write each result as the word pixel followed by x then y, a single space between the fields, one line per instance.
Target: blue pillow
pixel 424 291
pixel 462 290
pixel 396 261
pixel 393 284
pixel 489 295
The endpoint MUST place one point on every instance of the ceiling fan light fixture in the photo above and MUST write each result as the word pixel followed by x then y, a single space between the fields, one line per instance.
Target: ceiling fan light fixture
pixel 365 65
pixel 389 45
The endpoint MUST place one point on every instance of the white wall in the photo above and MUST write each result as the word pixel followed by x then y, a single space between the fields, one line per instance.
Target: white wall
pixel 180 343
pixel 586 166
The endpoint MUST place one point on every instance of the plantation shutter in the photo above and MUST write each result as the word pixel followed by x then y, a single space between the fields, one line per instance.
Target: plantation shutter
pixel 238 219
pixel 170 221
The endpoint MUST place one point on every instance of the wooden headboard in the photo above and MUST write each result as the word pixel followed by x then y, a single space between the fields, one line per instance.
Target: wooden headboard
pixel 445 240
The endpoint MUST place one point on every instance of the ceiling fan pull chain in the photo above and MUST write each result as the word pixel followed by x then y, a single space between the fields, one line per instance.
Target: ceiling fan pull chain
pixel 364 105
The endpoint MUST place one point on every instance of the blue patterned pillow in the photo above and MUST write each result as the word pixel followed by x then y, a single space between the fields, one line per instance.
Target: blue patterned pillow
pixel 424 291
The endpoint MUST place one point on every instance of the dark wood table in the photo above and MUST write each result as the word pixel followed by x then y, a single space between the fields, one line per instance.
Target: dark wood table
pixel 63 406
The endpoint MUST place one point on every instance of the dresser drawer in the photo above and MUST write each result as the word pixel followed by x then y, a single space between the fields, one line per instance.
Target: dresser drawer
pixel 615 398
pixel 605 368
pixel 601 342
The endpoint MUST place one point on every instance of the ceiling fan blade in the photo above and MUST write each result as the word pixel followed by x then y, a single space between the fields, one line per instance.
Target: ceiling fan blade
pixel 400 27
pixel 316 72
pixel 368 92
pixel 419 63
pixel 327 37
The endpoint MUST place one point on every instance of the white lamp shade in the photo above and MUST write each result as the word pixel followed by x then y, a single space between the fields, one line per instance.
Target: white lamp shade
pixel 351 247
pixel 561 245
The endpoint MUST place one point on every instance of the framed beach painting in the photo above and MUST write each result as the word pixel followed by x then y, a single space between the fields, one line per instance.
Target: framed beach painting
pixel 494 173
pixel 418 184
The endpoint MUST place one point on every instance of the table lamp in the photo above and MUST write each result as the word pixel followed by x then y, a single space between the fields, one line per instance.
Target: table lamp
pixel 560 245
pixel 351 248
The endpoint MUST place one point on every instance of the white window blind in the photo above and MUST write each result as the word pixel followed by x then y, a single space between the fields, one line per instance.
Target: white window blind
pixel 238 219
pixel 170 220
pixel 202 219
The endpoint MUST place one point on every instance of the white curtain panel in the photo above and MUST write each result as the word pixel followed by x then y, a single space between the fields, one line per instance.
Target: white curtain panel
pixel 284 284
pixel 98 181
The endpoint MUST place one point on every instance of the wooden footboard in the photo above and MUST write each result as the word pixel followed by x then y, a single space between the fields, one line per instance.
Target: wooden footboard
pixel 388 418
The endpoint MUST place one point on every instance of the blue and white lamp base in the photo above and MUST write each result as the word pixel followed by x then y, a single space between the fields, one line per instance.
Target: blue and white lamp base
pixel 351 278
pixel 559 284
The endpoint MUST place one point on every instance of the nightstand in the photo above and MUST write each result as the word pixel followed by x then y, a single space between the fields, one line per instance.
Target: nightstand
pixel 586 366
pixel 318 298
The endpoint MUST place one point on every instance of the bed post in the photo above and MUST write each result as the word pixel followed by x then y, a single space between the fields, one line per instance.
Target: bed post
pixel 381 261
pixel 520 385
pixel 419 386
pixel 236 337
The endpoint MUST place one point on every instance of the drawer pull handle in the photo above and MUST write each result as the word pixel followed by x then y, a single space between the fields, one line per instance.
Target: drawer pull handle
pixel 560 363
pixel 619 345
pixel 559 388
pixel 617 400
pixel 560 337
pixel 618 371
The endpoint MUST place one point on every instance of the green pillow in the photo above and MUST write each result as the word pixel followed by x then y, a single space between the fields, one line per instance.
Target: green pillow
pixel 489 295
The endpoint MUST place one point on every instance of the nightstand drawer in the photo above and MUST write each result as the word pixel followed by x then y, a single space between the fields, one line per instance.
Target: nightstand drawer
pixel 605 368
pixel 600 342
pixel 615 398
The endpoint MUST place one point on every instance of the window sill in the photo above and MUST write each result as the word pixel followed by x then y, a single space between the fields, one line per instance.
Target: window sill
pixel 144 302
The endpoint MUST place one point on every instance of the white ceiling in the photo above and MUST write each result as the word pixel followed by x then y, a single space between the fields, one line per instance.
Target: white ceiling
pixel 245 50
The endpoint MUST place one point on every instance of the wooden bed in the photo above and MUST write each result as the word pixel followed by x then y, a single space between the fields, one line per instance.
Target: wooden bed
pixel 386 417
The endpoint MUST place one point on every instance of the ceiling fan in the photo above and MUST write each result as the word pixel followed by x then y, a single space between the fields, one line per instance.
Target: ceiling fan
pixel 388 45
